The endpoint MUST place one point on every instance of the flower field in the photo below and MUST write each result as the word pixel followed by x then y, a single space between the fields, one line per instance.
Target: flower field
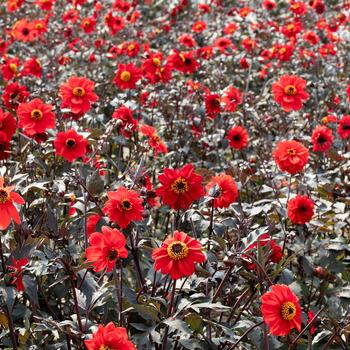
pixel 174 174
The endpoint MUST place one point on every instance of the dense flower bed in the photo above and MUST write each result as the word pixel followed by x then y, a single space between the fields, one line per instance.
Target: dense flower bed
pixel 174 174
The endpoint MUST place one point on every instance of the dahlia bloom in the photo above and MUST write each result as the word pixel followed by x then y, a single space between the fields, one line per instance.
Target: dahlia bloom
pixel 77 94
pixel 180 187
pixel 110 337
pixel 291 156
pixel 7 124
pixel 227 189
pixel 35 116
pixel 178 255
pixel 7 209
pixel 300 209
pixel 232 98
pixel 322 138
pixel 123 206
pixel 281 310
pixel 290 92
pixel 344 127
pixel 127 76
pixel 238 137
pixel 70 145
pixel 106 248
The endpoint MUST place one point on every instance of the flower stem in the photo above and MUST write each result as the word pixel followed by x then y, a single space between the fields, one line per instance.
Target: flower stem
pixel 170 311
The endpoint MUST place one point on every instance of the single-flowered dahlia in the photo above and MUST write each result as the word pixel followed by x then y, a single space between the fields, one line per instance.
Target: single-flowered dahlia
pixel 70 145
pixel 281 310
pixel 155 141
pixel 290 92
pixel 232 98
pixel 300 209
pixel 127 76
pixel 23 30
pixel 78 94
pixel 7 209
pixel 226 190
pixel 7 124
pixel 322 138
pixel 123 206
pixel 274 251
pixel 110 337
pixel 344 127
pixel 13 95
pixel 212 105
pixel 238 137
pixel 291 156
pixel 180 187
pixel 178 255
pixel 106 248
pixel 35 116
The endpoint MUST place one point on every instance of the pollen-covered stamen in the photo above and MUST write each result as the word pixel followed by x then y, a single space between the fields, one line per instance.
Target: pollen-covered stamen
pixel 288 310
pixel 78 91
pixel 36 114
pixel 180 185
pixel 105 347
pixel 13 67
pixel 112 255
pixel 125 76
pixel 177 250
pixel 156 61
pixel 4 195
pixel 126 205
pixel 291 152
pixel 155 138
pixel 290 90
pixel 70 143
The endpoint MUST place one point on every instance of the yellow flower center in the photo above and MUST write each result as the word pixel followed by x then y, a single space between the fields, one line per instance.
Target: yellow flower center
pixel 125 76
pixel 105 347
pixel 290 90
pixel 13 67
pixel 282 50
pixel 177 250
pixel 38 26
pixel 70 143
pixel 78 91
pixel 291 152
pixel 156 61
pixel 87 24
pixel 38 63
pixel 180 185
pixel 155 138
pixel 131 47
pixel 288 311
pixel 36 114
pixel 4 195
pixel 182 57
pixel 126 205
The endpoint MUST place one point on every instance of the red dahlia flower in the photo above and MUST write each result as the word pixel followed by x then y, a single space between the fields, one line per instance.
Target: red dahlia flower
pixel 77 94
pixel 264 240
pixel 290 92
pixel 232 99
pixel 300 209
pixel 322 138
pixel 227 190
pixel 154 140
pixel 9 69
pixel 238 137
pixel 110 337
pixel 35 116
pixel 128 123
pixel 17 273
pixel 123 206
pixel 32 67
pixel 212 105
pixel 14 94
pixel 180 187
pixel 344 127
pixel 106 248
pixel 183 62
pixel 23 30
pixel 281 310
pixel 7 124
pixel 127 76
pixel 70 145
pixel 92 222
pixel 178 255
pixel 7 209
pixel 291 156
